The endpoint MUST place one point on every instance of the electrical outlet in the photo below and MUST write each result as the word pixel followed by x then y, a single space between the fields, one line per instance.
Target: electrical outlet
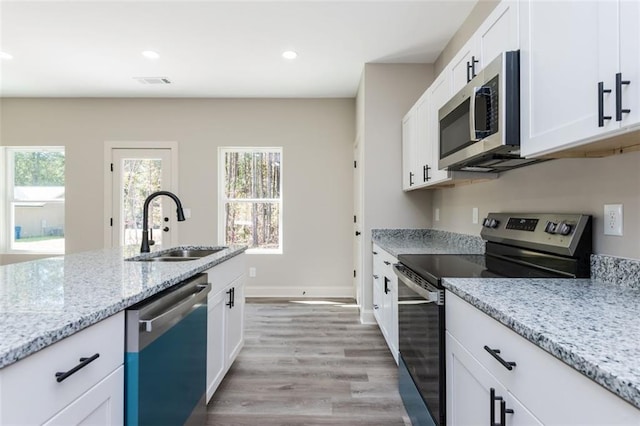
pixel 437 215
pixel 474 216
pixel 187 213
pixel 252 272
pixel 613 219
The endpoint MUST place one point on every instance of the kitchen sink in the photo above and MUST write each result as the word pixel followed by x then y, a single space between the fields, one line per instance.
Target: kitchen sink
pixel 189 253
pixel 178 255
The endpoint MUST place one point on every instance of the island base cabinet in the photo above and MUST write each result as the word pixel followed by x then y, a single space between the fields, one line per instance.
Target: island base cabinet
pixel 101 405
pixel 225 319
pixel 33 391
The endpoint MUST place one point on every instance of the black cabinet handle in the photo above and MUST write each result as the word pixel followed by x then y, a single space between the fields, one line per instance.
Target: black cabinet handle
pixel 83 363
pixel 230 302
pixel 601 116
pixel 375 277
pixel 375 252
pixel 410 178
pixel 619 109
pixel 387 263
pixel 503 409
pixel 494 353
pixel 425 173
pixel 386 285
pixel 471 68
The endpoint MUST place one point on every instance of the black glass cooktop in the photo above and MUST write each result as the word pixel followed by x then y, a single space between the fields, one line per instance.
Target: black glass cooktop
pixel 434 267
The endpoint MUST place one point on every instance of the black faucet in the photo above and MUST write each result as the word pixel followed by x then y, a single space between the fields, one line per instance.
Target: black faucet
pixel 144 248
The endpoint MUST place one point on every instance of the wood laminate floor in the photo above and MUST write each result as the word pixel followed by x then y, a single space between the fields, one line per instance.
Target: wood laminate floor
pixel 309 364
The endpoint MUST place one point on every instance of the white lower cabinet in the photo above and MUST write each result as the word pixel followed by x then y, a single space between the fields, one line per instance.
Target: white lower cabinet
pixel 225 319
pixel 385 297
pixel 103 404
pixel 31 393
pixel 539 389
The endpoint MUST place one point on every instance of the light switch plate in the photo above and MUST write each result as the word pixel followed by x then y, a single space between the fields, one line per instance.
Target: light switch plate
pixel 474 216
pixel 252 272
pixel 437 215
pixel 613 219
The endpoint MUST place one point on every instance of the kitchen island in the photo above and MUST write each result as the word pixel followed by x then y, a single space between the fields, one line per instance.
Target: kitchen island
pixel 62 331
pixel 44 301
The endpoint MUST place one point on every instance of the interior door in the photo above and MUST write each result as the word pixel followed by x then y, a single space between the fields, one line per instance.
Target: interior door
pixel 358 280
pixel 136 174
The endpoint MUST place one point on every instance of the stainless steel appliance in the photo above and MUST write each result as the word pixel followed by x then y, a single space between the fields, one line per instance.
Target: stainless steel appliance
pixel 166 355
pixel 517 245
pixel 480 125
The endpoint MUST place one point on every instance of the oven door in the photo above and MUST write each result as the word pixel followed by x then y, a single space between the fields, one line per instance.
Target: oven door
pixel 421 343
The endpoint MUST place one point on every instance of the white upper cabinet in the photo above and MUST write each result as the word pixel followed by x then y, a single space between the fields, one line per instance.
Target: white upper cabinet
pixel 409 149
pixel 498 33
pixel 572 54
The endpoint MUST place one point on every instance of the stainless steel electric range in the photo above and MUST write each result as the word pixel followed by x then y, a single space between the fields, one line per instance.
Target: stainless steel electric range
pixel 518 245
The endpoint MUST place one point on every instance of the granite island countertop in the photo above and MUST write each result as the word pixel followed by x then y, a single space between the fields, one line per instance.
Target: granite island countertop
pixel 46 300
pixel 591 325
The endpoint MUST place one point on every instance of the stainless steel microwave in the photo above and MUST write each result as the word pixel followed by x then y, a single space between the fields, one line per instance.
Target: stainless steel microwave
pixel 480 125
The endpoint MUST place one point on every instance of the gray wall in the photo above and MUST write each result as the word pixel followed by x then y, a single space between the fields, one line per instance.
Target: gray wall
pixel 385 95
pixel 565 185
pixel 317 139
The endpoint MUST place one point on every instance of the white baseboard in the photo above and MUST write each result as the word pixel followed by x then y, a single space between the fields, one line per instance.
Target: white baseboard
pixel 300 292
pixel 366 317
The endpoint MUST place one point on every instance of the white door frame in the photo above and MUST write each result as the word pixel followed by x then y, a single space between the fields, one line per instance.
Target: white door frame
pixel 108 185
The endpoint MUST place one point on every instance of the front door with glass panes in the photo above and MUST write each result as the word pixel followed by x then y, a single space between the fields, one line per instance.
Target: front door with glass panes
pixel 136 174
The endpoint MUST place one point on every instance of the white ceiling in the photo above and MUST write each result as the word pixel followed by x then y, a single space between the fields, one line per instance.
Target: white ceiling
pixel 214 48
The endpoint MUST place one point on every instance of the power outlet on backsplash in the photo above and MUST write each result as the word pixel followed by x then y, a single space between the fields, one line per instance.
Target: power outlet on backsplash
pixel 613 219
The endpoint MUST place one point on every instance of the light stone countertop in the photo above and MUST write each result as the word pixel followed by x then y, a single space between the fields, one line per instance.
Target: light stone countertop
pixel 426 241
pixel 44 301
pixel 591 325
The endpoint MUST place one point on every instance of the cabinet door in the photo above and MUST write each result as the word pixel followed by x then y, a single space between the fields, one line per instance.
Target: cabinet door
pixel 215 341
pixel 630 60
pixel 377 285
pixel 409 133
pixel 566 49
pixel 440 93
pixel 235 321
pixel 461 69
pixel 393 317
pixel 423 152
pixel 498 33
pixel 103 404
pixel 469 392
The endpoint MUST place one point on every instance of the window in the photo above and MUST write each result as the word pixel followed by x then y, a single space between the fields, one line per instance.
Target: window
pixel 35 190
pixel 251 198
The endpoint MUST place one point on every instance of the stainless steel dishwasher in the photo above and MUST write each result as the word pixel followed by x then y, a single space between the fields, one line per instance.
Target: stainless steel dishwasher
pixel 165 364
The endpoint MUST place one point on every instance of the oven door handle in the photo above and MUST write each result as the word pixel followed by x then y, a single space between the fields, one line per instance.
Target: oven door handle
pixel 431 294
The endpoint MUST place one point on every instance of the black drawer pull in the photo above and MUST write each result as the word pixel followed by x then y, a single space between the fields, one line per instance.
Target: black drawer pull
pixel 83 363
pixel 387 263
pixel 503 409
pixel 495 353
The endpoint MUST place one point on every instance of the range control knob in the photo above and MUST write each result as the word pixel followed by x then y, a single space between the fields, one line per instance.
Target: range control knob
pixel 551 228
pixel 490 223
pixel 564 228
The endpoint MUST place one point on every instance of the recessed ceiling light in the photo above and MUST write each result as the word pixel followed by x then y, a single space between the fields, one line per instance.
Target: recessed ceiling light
pixel 150 54
pixel 5 55
pixel 289 54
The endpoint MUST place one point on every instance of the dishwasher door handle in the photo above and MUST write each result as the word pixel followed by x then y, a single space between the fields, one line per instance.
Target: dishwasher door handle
pixel 178 310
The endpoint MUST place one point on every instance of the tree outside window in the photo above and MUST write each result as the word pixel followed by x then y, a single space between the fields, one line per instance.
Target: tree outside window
pixel 36 192
pixel 251 198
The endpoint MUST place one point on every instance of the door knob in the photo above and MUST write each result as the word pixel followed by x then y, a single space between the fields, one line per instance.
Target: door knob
pixel 165 229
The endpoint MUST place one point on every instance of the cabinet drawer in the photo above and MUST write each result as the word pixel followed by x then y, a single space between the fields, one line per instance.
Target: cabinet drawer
pixel 551 389
pixel 29 391
pixel 224 273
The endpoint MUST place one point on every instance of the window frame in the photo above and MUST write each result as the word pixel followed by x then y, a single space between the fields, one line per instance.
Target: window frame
pixel 7 186
pixel 222 199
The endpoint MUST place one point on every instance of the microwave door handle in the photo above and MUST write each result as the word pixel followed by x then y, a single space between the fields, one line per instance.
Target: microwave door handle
pixel 473 134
